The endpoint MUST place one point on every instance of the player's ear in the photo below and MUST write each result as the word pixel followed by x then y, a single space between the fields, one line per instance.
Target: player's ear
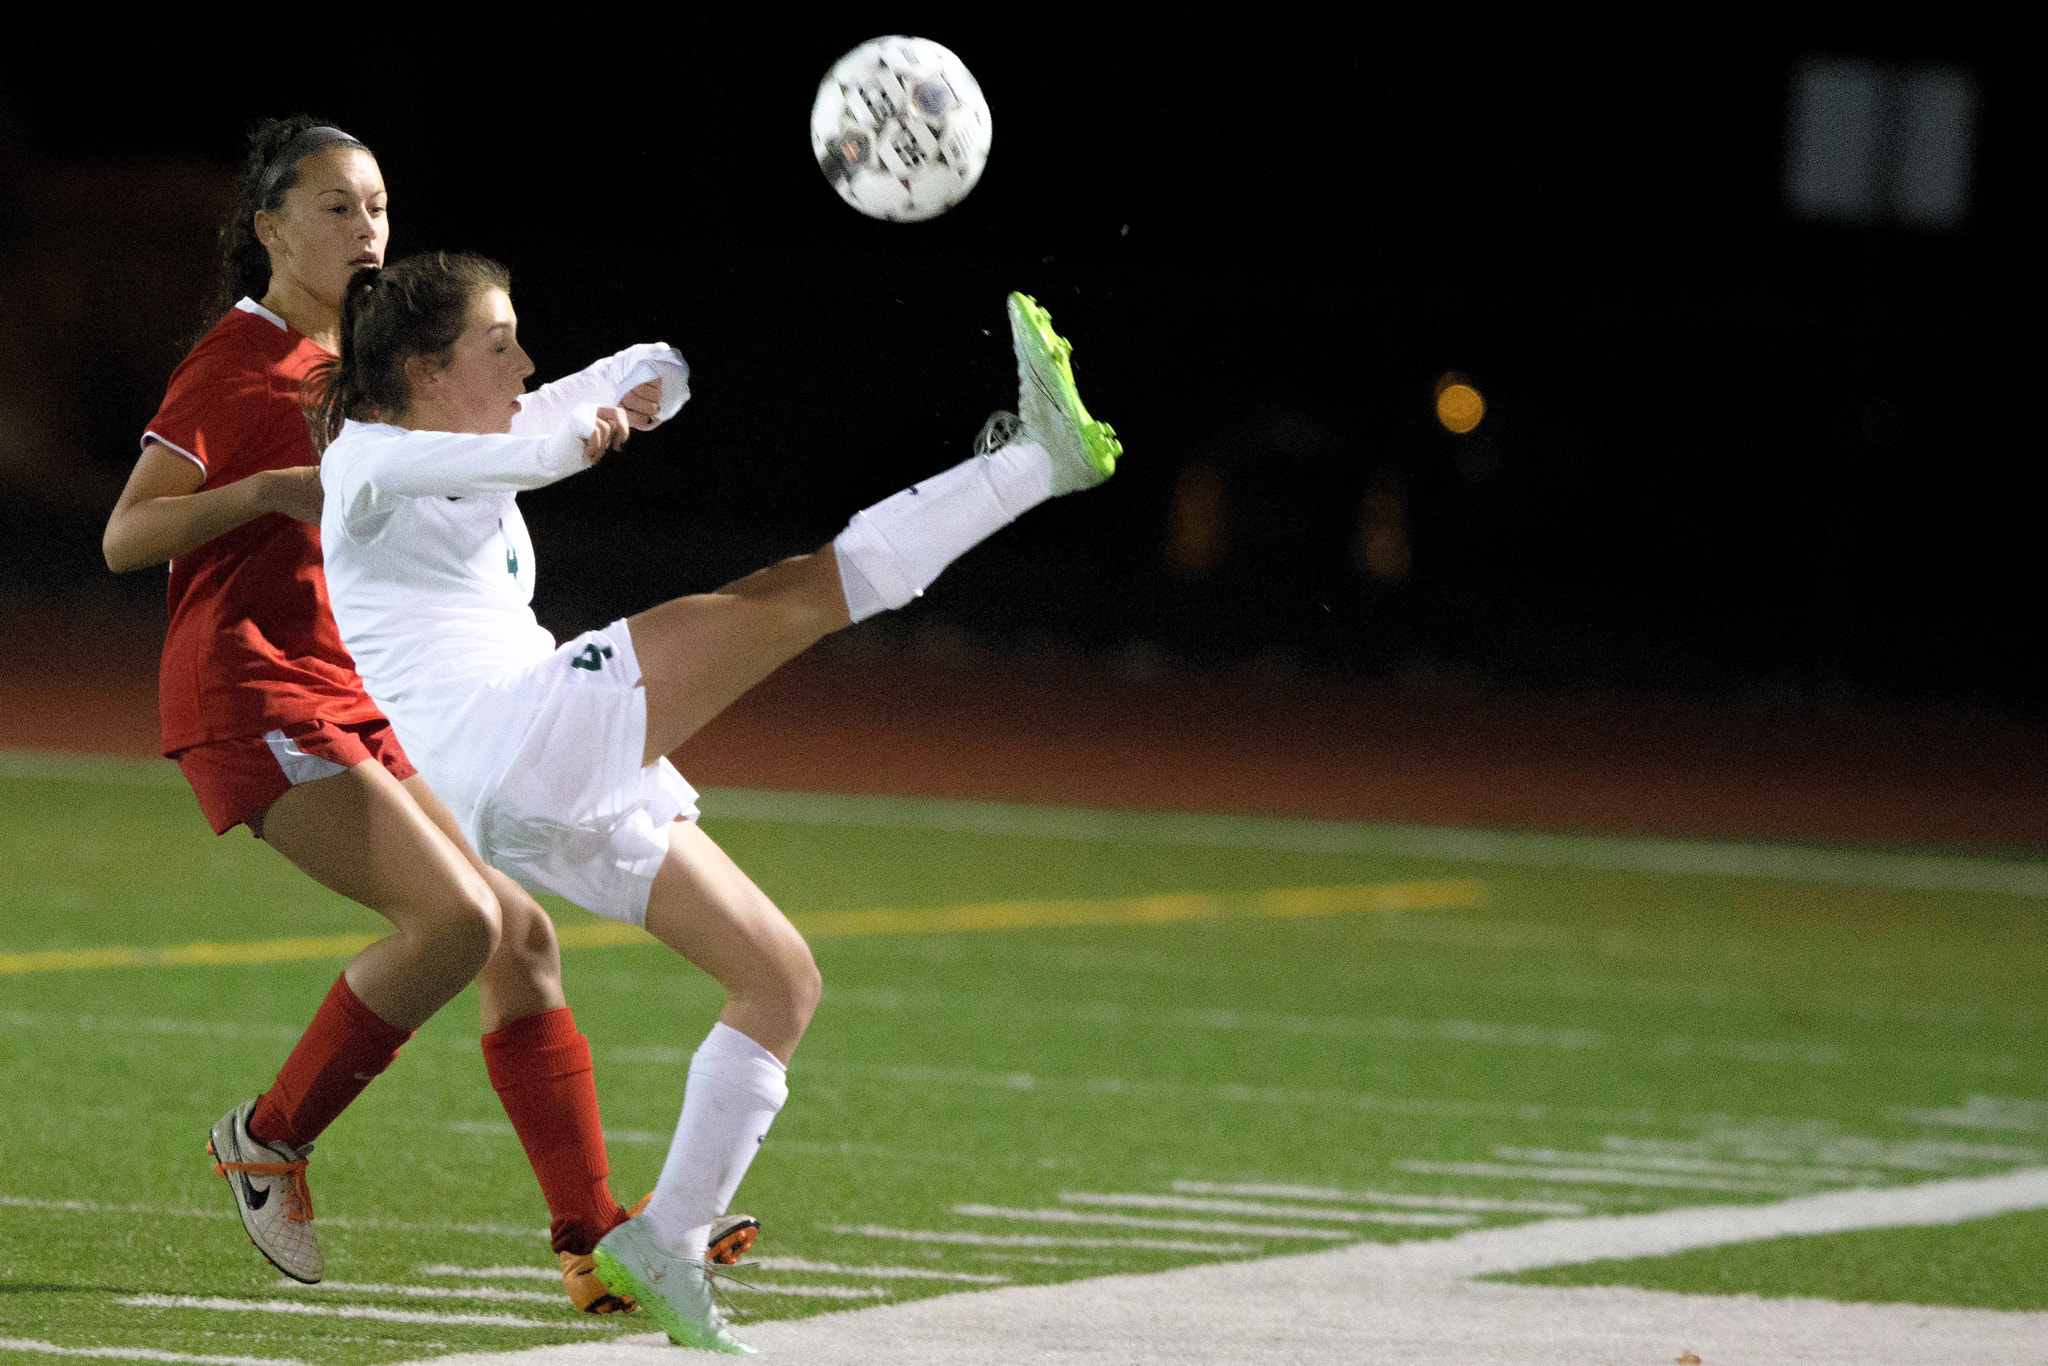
pixel 421 373
pixel 265 224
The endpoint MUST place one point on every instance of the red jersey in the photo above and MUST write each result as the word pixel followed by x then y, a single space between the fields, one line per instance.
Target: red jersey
pixel 252 645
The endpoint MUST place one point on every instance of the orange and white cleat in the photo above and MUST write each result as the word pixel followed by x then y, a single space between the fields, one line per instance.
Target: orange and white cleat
pixel 731 1239
pixel 269 1185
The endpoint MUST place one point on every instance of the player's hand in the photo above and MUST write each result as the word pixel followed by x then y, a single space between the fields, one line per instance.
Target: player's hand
pixel 612 431
pixel 642 404
pixel 295 492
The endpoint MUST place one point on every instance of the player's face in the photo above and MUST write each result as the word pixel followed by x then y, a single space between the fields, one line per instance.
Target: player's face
pixel 333 223
pixel 478 390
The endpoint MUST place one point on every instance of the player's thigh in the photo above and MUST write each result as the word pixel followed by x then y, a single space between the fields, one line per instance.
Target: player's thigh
pixel 697 655
pixel 705 908
pixel 362 834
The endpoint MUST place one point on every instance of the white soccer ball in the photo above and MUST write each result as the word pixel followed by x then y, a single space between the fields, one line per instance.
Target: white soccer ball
pixel 900 129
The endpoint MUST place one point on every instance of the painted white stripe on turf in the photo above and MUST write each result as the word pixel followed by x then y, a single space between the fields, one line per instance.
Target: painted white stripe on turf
pixel 427 1292
pixel 1478 1204
pixel 1983 1112
pixel 550 1274
pixel 99 1207
pixel 1570 1242
pixel 1074 1216
pixel 139 1354
pixel 346 1311
pixel 486 1128
pixel 1600 1176
pixel 341 1221
pixel 911 1273
pixel 821 1292
pixel 1327 1213
pixel 1695 1166
pixel 923 1235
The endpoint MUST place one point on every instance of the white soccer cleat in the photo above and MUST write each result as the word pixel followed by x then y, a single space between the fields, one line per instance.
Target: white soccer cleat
pixel 1084 452
pixel 269 1182
pixel 731 1237
pixel 676 1290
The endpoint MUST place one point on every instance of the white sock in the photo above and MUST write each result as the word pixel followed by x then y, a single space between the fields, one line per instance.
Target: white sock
pixel 891 552
pixel 734 1090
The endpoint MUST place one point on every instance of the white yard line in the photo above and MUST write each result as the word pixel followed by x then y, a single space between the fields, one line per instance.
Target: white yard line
pixel 348 1311
pixel 920 1235
pixel 1477 1204
pixel 551 1274
pixel 1692 1166
pixel 428 1292
pixel 1598 1176
pixel 881 1273
pixel 1198 1205
pixel 1411 1304
pixel 139 1354
pixel 326 1221
pixel 1074 1216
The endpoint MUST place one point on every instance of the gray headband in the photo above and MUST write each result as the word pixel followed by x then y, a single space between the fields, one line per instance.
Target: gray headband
pixel 301 146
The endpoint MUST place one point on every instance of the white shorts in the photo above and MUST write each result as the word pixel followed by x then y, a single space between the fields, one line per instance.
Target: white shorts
pixel 577 813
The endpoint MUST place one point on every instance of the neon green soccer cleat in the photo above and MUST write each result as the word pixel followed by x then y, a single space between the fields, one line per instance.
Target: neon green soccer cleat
pixel 676 1290
pixel 1084 452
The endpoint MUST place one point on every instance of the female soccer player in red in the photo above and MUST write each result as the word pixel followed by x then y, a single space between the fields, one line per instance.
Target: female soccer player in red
pixel 264 712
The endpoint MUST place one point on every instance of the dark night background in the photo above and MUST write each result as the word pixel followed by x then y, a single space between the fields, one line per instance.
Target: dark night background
pixel 1727 454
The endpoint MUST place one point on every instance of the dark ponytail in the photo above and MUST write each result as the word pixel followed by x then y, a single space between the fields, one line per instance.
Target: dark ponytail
pixel 417 307
pixel 276 146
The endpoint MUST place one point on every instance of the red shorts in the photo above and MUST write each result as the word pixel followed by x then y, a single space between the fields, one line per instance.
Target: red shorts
pixel 235 779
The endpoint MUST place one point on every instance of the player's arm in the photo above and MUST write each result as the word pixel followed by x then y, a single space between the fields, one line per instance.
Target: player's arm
pixel 162 513
pixel 650 382
pixel 374 477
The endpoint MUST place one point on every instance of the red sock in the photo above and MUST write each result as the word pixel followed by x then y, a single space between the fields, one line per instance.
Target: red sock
pixel 540 1067
pixel 340 1053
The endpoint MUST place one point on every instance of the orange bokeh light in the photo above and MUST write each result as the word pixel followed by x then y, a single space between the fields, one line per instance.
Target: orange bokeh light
pixel 1459 406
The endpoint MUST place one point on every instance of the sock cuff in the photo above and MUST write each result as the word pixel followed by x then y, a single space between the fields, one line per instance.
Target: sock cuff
pixel 375 1029
pixel 537 1048
pixel 728 1056
pixel 870 574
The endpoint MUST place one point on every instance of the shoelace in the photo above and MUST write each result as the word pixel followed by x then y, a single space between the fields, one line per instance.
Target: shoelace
pixel 298 1198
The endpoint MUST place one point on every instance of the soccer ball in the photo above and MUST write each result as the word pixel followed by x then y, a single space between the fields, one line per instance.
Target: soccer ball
pixel 900 129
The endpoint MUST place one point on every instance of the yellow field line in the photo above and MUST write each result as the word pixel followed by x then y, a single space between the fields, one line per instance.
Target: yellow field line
pixel 1456 893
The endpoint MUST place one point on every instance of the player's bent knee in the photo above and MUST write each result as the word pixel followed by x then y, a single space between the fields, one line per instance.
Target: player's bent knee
pixel 528 933
pixel 465 927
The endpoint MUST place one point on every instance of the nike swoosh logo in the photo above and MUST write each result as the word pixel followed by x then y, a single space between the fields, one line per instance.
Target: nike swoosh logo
pixel 254 1198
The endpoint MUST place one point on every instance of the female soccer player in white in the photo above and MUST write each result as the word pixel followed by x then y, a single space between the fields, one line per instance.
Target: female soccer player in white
pixel 265 714
pixel 551 756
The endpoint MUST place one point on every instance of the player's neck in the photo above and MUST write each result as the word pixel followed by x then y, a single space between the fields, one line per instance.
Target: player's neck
pixel 313 318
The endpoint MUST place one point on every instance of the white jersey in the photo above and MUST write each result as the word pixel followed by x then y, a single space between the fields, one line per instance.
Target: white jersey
pixel 430 570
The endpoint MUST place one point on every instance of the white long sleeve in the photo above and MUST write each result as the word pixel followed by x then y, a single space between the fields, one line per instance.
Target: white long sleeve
pixel 603 384
pixel 371 468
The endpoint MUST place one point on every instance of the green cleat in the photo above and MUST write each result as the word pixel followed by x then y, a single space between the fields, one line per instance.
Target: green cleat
pixel 1084 452
pixel 676 1290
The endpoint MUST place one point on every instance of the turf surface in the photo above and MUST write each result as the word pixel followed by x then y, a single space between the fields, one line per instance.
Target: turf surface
pixel 1053 1045
pixel 1981 1264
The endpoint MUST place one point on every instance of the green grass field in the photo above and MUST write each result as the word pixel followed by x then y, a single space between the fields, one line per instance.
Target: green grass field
pixel 1053 1045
